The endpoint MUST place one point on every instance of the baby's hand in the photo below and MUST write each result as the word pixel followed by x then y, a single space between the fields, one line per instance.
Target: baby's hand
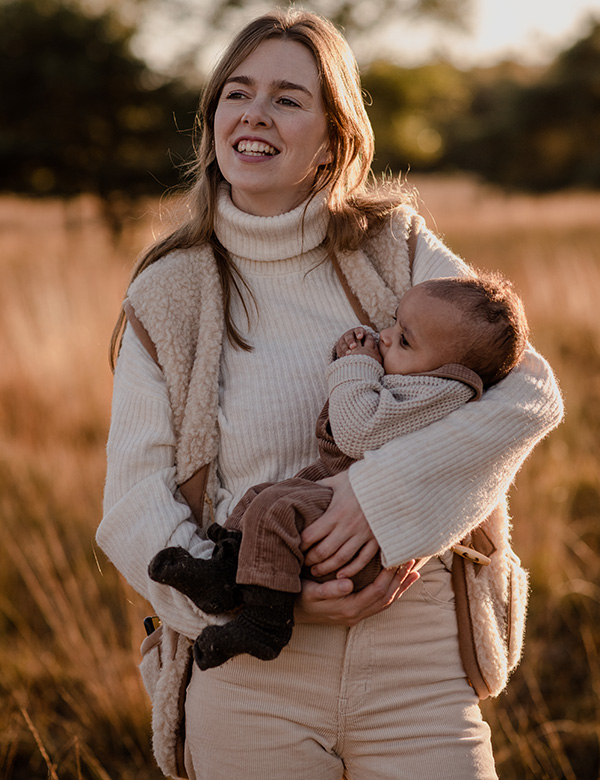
pixel 358 342
pixel 349 341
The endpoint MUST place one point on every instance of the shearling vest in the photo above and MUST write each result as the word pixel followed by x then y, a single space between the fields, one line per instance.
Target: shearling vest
pixel 178 298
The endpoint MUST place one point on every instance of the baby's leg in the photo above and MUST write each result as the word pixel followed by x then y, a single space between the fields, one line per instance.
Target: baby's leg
pixel 269 567
pixel 268 573
pixel 262 628
pixel 235 521
pixel 210 584
pixel 270 553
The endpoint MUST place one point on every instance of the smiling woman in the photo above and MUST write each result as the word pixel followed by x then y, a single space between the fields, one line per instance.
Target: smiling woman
pixel 271 134
pixel 220 377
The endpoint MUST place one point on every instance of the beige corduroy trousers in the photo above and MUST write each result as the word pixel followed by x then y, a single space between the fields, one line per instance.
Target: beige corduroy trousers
pixel 384 700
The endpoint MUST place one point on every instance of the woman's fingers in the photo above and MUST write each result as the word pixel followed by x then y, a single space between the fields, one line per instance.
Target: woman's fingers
pixel 319 602
pixel 326 603
pixel 313 534
pixel 389 585
pixel 343 522
pixel 358 563
pixel 336 551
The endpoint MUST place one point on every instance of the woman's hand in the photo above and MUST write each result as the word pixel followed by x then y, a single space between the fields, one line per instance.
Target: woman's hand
pixel 341 535
pixel 334 602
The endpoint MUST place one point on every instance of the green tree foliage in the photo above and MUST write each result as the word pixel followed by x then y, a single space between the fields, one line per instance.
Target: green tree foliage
pixel 409 109
pixel 538 136
pixel 528 128
pixel 79 113
pixel 356 15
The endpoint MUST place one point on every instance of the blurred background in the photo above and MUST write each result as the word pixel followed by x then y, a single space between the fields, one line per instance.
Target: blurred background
pixel 491 111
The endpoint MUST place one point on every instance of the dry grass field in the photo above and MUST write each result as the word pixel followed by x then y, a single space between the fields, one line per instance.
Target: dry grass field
pixel 73 706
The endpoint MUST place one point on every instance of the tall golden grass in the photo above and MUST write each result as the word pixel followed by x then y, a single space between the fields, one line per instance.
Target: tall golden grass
pixel 72 704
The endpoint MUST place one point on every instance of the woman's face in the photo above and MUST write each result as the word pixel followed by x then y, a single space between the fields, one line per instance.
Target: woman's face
pixel 271 128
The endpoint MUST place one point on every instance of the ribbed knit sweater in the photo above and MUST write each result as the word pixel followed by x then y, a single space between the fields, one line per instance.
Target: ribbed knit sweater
pixel 420 493
pixel 367 407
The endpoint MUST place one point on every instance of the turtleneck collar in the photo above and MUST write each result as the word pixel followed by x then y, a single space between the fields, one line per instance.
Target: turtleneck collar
pixel 270 238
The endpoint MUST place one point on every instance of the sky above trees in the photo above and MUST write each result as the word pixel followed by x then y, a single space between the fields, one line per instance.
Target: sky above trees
pixel 530 31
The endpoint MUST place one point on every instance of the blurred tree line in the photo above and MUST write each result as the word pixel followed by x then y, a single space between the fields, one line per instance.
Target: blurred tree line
pixel 527 128
pixel 80 113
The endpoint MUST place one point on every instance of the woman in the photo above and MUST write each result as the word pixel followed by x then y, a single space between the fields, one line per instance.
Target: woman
pixel 231 321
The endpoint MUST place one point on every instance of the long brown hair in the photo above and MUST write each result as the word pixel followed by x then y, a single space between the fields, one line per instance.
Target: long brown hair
pixel 355 207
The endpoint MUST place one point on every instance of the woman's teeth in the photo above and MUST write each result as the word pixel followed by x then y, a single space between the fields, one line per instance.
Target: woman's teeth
pixel 255 148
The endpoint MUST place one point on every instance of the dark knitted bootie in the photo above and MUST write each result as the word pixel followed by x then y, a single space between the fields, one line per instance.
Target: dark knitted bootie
pixel 262 629
pixel 210 584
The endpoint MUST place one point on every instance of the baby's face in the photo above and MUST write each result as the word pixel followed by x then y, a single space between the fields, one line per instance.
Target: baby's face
pixel 423 336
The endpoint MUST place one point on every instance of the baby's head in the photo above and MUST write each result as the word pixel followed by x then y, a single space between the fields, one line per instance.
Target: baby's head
pixel 476 321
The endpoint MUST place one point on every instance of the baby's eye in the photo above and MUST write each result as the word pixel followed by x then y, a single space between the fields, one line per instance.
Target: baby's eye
pixel 403 341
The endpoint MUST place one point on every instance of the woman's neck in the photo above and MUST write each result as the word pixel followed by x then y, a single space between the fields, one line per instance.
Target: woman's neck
pixel 269 239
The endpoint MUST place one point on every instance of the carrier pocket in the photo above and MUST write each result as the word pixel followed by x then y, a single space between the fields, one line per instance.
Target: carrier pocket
pixel 151 662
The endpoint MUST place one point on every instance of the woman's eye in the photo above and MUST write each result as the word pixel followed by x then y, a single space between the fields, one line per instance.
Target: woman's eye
pixel 234 95
pixel 288 102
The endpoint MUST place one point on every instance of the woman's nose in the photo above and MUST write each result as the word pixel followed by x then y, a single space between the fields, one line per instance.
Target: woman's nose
pixel 256 115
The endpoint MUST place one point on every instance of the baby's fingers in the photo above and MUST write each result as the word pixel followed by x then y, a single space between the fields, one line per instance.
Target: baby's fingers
pixel 342 347
pixel 354 336
pixel 359 336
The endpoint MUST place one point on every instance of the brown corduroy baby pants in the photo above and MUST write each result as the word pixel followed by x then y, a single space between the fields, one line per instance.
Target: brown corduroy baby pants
pixel 272 516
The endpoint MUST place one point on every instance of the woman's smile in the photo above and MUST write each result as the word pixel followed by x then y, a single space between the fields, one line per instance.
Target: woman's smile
pixel 271 128
pixel 255 148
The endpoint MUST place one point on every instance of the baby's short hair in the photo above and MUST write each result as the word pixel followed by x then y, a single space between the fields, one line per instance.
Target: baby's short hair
pixel 496 331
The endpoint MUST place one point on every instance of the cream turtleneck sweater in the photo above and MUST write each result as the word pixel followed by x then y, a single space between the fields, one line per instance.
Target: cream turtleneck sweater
pixel 419 492
pixel 267 420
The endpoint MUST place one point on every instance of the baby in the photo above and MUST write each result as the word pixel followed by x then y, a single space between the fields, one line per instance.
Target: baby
pixel 452 339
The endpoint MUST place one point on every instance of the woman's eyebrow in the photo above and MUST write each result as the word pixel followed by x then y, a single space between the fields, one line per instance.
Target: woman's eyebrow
pixel 278 84
pixel 283 84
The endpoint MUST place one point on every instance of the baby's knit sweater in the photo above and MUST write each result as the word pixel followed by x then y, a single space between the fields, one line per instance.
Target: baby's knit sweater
pixel 419 493
pixel 368 408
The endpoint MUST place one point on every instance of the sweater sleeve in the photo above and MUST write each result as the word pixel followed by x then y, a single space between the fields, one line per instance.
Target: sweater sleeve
pixel 423 492
pixel 141 513
pixel 368 408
